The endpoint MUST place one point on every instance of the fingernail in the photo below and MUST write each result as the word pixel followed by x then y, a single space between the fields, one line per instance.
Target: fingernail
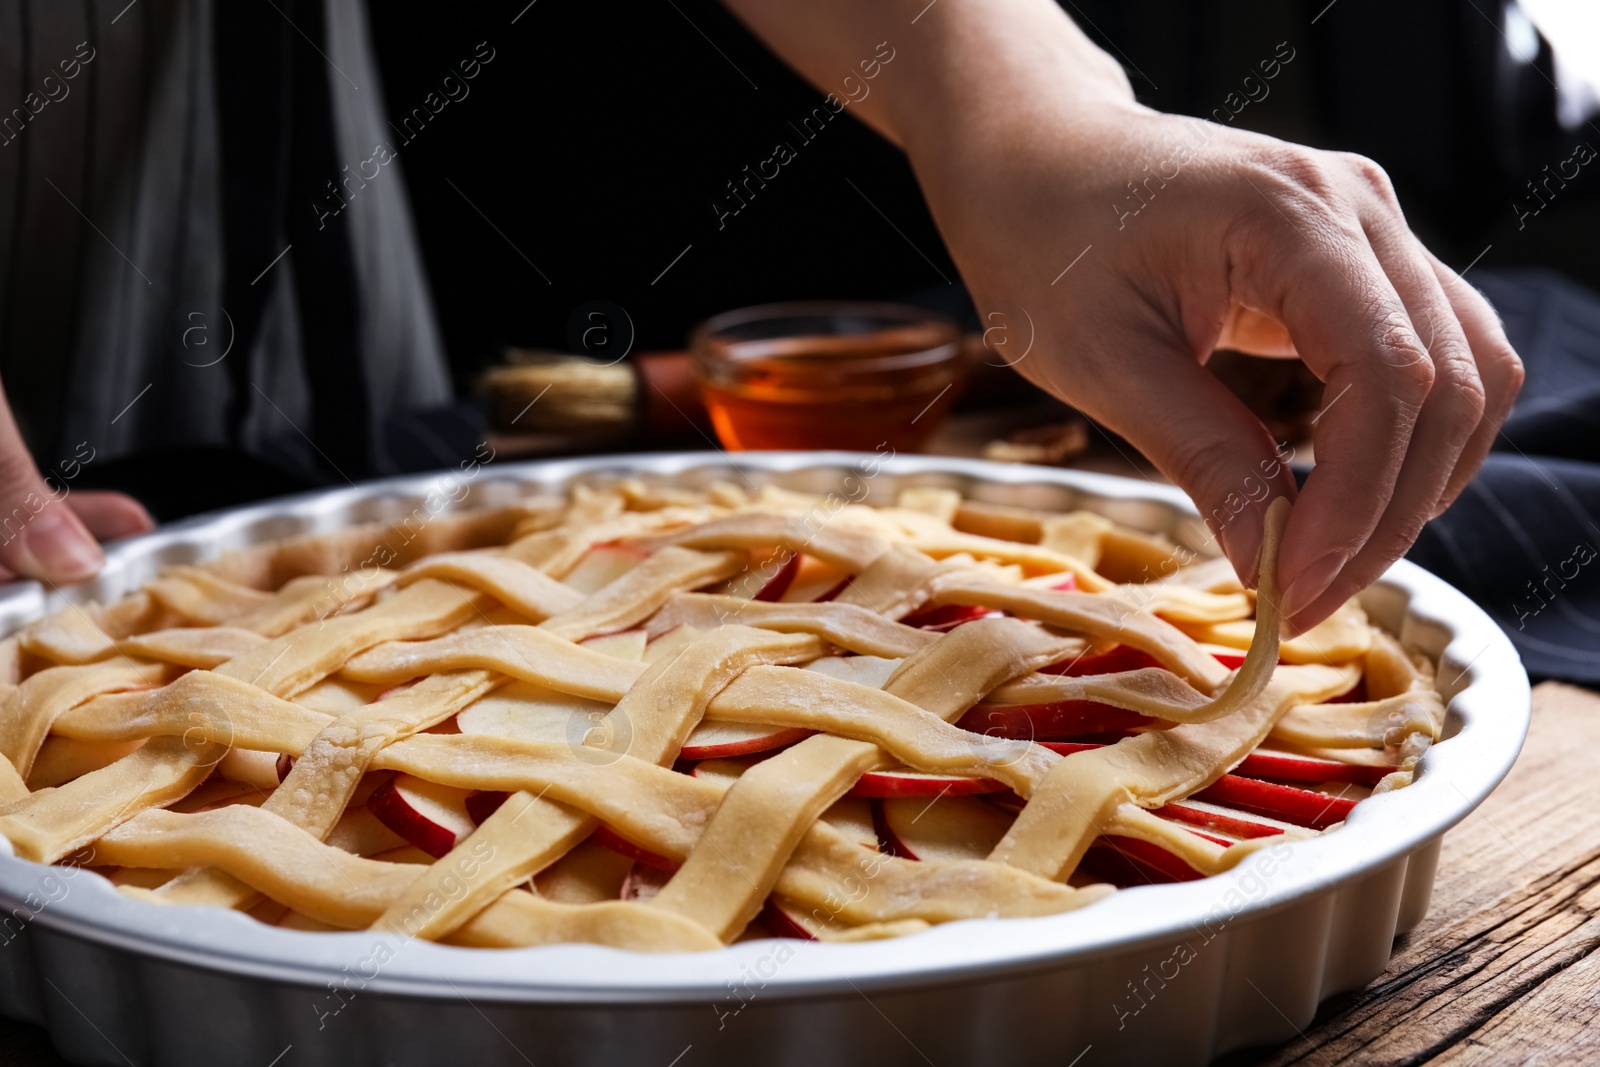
pixel 1241 543
pixel 1312 583
pixel 53 545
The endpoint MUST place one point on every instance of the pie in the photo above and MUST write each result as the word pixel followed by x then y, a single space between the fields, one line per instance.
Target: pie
pixel 666 720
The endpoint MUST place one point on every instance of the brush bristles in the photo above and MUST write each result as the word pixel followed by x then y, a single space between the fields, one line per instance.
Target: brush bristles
pixel 542 392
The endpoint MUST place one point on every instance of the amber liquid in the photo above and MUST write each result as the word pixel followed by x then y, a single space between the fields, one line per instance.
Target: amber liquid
pixel 828 399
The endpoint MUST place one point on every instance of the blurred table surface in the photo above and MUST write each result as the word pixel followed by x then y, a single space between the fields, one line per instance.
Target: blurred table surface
pixel 1502 970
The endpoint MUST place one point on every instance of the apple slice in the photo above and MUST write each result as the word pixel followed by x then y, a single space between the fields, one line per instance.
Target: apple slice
pixel 873 671
pixel 669 643
pixel 643 883
pixel 948 617
pixel 853 817
pixel 529 712
pixel 1115 661
pixel 724 771
pixel 946 828
pixel 784 918
pixel 1056 719
pixel 717 740
pixel 619 844
pixel 259 769
pixel 602 565
pixel 432 817
pixel 1222 820
pixel 1287 767
pixel 625 644
pixel 1154 857
pixel 814 582
pixel 1302 807
pixel 780 582
pixel 907 783
pixel 484 803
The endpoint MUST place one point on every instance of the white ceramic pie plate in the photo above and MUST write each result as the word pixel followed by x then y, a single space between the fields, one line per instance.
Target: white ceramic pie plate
pixel 1159 974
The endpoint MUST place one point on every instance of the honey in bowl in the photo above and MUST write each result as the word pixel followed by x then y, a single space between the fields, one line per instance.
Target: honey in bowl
pixel 834 375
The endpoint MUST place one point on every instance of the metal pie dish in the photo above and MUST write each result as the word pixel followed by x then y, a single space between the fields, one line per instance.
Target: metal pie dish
pixel 1168 973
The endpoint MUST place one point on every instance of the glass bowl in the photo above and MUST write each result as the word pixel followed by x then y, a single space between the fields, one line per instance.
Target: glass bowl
pixel 828 374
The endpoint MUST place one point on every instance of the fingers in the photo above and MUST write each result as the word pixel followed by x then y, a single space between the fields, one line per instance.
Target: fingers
pixel 1351 328
pixel 40 537
pixel 1202 437
pixel 1248 330
pixel 1448 418
pixel 1499 368
pixel 110 515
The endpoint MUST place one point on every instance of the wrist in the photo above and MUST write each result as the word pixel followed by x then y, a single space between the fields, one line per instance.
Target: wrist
pixel 982 70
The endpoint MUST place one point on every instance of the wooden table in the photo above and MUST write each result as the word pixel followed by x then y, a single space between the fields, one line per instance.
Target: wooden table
pixel 1503 969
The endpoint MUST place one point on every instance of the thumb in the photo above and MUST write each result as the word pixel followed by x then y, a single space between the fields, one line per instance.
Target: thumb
pixel 40 537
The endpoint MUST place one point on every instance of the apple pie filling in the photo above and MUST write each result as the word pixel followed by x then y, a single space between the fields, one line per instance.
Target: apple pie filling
pixel 667 720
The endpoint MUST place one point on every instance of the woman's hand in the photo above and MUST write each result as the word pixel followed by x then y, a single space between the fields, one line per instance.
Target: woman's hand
pixel 48 532
pixel 1131 244
pixel 1230 239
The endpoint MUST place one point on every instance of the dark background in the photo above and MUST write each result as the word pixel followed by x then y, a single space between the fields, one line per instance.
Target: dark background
pixel 598 135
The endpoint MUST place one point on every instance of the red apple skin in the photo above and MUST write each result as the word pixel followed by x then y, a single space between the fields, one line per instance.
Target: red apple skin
pixel 1302 807
pixel 1152 856
pixel 390 808
pixel 484 803
pixel 890 784
pixel 889 842
pixel 1211 820
pixel 947 617
pixel 779 583
pixel 1307 769
pixel 777 739
pixel 1057 719
pixel 835 591
pixel 1119 659
pixel 1270 766
pixel 285 765
pixel 777 920
pixel 622 846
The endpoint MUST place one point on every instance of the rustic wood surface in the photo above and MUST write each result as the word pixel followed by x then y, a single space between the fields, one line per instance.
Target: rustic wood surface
pixel 1502 971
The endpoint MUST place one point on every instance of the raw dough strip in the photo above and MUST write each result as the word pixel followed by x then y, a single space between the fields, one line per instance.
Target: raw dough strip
pixel 31 708
pixel 53 823
pixel 245 716
pixel 846 548
pixel 1372 724
pixel 636 595
pixel 71 635
pixel 663 811
pixel 526 590
pixel 775 696
pixel 204 647
pixel 1181 604
pixel 846 625
pixel 525 652
pixel 732 868
pixel 1081 795
pixel 298 660
pixel 340 889
pixel 768 810
pixel 951 675
pixel 1097 616
pixel 557 551
pixel 651 722
pixel 324 778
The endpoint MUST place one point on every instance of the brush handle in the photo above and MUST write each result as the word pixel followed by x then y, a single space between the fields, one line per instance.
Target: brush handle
pixel 669 399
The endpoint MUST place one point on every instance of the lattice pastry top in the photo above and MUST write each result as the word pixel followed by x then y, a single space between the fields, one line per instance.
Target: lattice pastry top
pixel 665 720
